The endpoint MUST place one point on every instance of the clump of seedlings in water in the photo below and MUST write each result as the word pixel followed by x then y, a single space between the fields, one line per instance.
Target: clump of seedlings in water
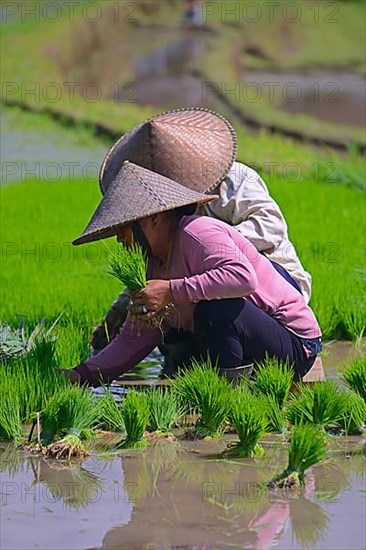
pixel 71 413
pixel 204 389
pixel 249 419
pixel 273 378
pixel 135 412
pixel 276 416
pixel 322 404
pixel 353 417
pixel 355 376
pixel 110 414
pixel 129 266
pixel 307 447
pixel 164 410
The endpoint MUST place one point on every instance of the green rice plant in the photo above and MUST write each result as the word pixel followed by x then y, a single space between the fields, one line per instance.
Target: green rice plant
pixel 33 382
pixel 77 413
pixel 354 415
pixel 249 419
pixel 10 421
pixel 353 310
pixel 274 378
pixel 164 409
pixel 110 414
pixel 129 266
pixel 355 376
pixel 322 404
pixel 203 388
pixel 307 447
pixel 276 416
pixel 135 412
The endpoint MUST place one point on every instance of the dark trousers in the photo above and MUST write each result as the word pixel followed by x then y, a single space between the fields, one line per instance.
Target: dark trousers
pixel 235 332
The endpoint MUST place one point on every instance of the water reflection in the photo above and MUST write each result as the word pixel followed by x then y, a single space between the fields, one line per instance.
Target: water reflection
pixel 179 494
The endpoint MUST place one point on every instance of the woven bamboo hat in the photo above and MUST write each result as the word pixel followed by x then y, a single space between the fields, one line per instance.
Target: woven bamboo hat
pixel 134 194
pixel 195 147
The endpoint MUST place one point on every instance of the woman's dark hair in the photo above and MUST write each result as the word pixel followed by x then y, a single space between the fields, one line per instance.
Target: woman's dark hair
pixel 186 210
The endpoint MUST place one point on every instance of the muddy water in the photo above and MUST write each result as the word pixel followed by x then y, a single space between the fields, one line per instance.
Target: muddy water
pixel 332 96
pixel 180 496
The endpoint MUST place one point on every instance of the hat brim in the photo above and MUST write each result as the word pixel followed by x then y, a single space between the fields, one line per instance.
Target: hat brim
pixel 137 193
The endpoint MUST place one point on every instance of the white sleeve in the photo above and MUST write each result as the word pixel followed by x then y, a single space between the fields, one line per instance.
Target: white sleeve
pixel 256 215
pixel 251 209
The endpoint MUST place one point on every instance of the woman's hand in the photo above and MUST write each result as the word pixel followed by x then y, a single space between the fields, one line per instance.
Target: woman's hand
pixel 154 296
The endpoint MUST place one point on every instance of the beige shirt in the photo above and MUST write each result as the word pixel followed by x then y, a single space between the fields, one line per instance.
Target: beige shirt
pixel 246 204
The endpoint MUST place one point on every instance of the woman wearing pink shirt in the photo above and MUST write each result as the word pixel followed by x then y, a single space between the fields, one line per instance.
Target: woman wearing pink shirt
pixel 228 297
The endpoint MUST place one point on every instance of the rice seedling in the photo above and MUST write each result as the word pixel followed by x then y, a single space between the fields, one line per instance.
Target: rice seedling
pixel 77 413
pixel 276 417
pixel 355 376
pixel 129 266
pixel 322 404
pixel 164 410
pixel 354 415
pixel 249 418
pixel 202 387
pixel 274 379
pixel 110 414
pixel 10 421
pixel 33 382
pixel 135 412
pixel 307 447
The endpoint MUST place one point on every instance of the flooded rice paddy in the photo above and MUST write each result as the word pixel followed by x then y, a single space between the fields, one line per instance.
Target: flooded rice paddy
pixel 180 496
pixel 183 494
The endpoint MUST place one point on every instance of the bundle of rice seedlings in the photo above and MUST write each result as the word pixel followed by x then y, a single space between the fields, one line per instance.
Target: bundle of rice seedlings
pixel 354 415
pixel 203 388
pixel 274 379
pixel 249 418
pixel 307 447
pixel 77 413
pixel 129 266
pixel 322 404
pixel 276 417
pixel 355 376
pixel 110 414
pixel 164 410
pixel 135 412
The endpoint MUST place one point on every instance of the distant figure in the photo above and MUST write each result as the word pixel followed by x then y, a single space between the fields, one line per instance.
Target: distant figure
pixel 193 12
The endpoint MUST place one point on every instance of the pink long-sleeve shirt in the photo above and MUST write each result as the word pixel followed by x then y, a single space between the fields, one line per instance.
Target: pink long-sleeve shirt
pixel 208 260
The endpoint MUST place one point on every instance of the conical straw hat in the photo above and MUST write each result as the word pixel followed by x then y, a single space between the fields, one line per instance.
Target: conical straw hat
pixel 195 147
pixel 134 194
